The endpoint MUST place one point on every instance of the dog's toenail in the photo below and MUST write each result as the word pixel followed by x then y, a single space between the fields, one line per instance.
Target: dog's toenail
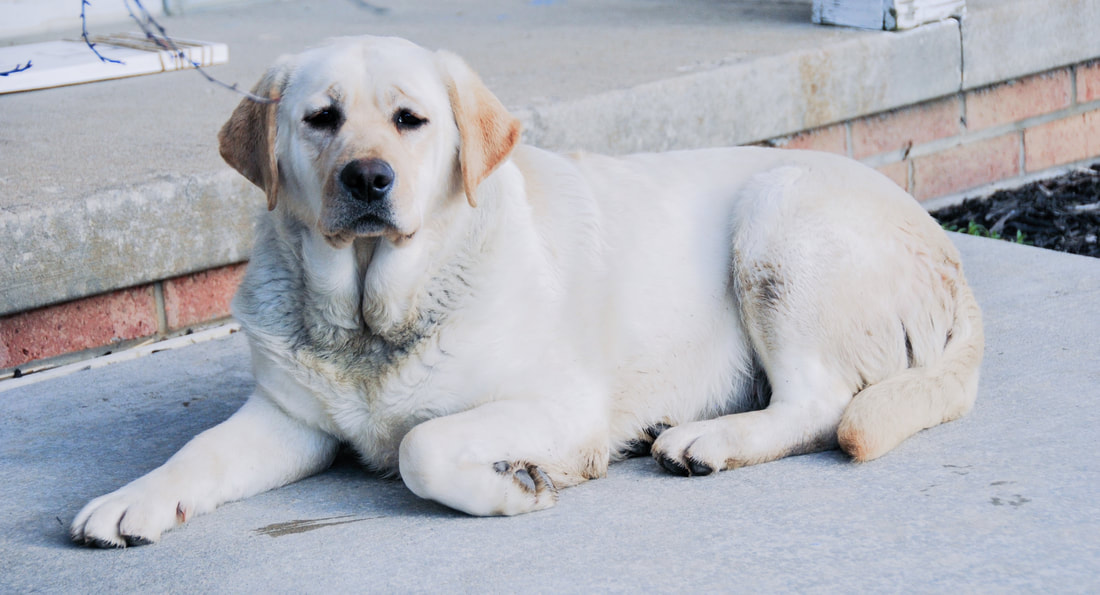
pixel 501 467
pixel 546 481
pixel 699 468
pixel 672 466
pixel 636 448
pixel 525 478
pixel 136 540
pixel 655 430
pixel 103 543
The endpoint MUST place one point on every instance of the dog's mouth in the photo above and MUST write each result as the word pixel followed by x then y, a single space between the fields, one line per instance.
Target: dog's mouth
pixel 340 231
pixel 372 225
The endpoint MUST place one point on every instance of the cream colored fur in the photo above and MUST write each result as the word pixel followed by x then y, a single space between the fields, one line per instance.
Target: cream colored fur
pixel 757 303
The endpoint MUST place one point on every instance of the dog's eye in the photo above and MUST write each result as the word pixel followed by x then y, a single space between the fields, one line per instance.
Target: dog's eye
pixel 406 120
pixel 326 118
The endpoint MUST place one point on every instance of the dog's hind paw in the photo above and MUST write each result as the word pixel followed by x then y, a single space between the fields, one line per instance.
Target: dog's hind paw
pixel 687 467
pixel 690 450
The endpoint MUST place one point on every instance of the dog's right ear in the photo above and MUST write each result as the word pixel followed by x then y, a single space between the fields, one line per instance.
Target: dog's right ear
pixel 247 140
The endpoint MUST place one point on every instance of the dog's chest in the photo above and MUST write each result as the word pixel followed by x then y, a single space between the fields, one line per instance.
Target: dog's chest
pixel 372 393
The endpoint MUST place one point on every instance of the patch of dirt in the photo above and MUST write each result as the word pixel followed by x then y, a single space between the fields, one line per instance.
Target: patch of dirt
pixel 1061 213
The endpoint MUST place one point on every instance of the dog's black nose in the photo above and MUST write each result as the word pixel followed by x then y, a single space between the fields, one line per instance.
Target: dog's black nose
pixel 367 180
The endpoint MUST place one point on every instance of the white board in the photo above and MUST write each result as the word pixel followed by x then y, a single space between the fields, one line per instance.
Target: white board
pixel 885 14
pixel 70 62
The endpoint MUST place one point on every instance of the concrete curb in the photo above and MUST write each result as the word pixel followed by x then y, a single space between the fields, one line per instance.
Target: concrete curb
pixel 759 99
pixel 126 237
pixel 1013 38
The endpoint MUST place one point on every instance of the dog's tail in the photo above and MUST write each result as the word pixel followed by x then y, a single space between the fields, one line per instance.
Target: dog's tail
pixel 884 414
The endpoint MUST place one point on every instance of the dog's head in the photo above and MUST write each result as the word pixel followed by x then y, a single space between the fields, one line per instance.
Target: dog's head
pixel 368 136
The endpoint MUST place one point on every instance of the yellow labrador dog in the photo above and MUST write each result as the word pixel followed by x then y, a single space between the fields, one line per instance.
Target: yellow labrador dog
pixel 496 322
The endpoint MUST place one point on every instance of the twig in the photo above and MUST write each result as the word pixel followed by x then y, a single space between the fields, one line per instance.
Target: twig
pixel 84 33
pixel 999 226
pixel 18 68
pixel 159 35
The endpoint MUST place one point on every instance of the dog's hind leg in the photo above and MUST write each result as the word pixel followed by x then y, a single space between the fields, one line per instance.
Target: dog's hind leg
pixel 943 389
pixel 502 458
pixel 806 405
pixel 782 308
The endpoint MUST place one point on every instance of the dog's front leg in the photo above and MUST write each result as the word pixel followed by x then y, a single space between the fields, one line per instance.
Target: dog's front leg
pixel 505 457
pixel 259 448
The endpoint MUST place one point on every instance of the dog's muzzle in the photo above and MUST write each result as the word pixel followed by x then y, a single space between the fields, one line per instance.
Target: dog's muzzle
pixel 365 207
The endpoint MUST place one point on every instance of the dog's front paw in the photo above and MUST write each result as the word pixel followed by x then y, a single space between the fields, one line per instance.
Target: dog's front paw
pixel 133 515
pixel 532 480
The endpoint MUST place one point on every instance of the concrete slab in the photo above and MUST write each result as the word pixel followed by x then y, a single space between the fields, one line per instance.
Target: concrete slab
pixel 79 140
pixel 1006 39
pixel 1003 500
pixel 21 18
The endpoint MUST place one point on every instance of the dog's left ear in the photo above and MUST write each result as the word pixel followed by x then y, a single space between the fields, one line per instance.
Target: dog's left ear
pixel 488 132
pixel 247 140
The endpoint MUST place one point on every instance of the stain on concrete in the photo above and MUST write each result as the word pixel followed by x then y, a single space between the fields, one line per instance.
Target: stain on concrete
pixel 1015 500
pixel 304 525
pixel 958 469
pixel 815 72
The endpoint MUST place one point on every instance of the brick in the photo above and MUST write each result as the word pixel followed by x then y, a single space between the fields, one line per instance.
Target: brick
pixel 1062 141
pixel 966 166
pixel 904 127
pixel 898 172
pixel 200 297
pixel 91 322
pixel 831 139
pixel 1088 82
pixel 1016 100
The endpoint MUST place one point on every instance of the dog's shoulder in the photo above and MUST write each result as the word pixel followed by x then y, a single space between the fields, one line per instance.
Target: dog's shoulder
pixel 564 210
pixel 270 297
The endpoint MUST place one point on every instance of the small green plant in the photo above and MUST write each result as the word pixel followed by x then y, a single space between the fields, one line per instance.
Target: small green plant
pixel 977 229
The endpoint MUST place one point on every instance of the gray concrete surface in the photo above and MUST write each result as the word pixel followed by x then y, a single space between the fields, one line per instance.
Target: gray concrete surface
pixel 117 183
pixel 1006 39
pixel 1003 500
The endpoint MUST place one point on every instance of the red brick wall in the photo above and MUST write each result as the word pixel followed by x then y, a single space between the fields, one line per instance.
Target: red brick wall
pixel 973 138
pixel 195 299
pixel 74 326
pixel 937 148
pixel 104 322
